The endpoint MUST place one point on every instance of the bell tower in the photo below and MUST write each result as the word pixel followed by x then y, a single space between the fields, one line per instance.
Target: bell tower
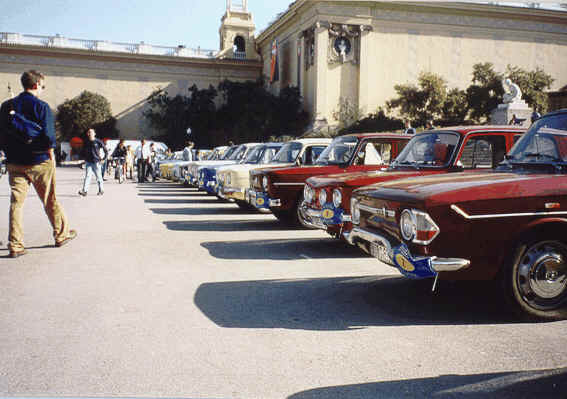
pixel 237 32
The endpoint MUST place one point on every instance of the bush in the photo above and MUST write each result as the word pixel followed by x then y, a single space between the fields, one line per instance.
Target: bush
pixel 87 110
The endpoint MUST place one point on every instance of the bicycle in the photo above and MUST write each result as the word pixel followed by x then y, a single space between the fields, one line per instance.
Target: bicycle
pixel 119 169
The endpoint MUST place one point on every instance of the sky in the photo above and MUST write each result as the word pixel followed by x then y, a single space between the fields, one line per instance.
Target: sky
pixel 193 23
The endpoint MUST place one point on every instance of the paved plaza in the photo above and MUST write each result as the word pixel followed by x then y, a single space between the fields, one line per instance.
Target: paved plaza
pixel 168 292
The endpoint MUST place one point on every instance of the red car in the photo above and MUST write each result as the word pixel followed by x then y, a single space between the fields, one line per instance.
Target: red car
pixel 327 198
pixel 508 224
pixel 281 190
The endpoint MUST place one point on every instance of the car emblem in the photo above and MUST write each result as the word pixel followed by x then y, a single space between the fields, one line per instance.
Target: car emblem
pixel 328 214
pixel 260 201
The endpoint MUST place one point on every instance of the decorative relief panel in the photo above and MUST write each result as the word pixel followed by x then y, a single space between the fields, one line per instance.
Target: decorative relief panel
pixel 344 44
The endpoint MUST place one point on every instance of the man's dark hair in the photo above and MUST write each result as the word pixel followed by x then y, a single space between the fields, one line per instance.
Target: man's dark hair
pixel 31 78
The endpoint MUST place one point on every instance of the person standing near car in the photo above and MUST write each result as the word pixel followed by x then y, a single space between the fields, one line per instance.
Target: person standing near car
pixel 31 163
pixel 142 159
pixel 94 152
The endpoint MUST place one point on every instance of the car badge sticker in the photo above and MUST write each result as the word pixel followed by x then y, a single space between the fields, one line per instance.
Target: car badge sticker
pixel 328 214
pixel 404 263
pixel 260 201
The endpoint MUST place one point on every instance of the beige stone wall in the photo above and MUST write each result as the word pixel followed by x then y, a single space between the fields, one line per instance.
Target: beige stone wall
pixel 408 38
pixel 125 81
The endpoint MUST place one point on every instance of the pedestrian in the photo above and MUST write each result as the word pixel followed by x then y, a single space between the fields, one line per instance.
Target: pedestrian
pixel 94 152
pixel 151 162
pixel 142 158
pixel 535 116
pixel 104 161
pixel 429 125
pixel 408 129
pixel 188 151
pixel 130 161
pixel 119 155
pixel 31 161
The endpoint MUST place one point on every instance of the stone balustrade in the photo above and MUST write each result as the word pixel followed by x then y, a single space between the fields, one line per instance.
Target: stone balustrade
pixel 7 38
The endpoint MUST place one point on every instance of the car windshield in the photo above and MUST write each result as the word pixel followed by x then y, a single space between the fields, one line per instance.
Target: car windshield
pixel 339 151
pixel 255 154
pixel 545 142
pixel 228 153
pixel 238 153
pixel 269 153
pixel 428 149
pixel 288 153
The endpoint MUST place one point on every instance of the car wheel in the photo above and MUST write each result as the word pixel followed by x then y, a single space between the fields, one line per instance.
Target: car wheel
pixel 536 281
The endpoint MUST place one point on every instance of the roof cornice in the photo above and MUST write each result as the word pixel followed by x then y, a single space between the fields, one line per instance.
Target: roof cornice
pixel 475 9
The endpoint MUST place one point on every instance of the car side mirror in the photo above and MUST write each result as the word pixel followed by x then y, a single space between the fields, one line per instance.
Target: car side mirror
pixel 361 154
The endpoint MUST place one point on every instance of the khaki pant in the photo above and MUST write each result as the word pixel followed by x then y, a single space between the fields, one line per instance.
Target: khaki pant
pixel 42 177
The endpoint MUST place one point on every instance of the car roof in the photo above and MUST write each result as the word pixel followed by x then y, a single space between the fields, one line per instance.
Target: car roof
pixel 311 141
pixel 462 130
pixel 379 135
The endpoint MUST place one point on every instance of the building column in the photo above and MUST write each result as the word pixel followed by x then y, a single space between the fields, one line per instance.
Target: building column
pixel 365 69
pixel 321 111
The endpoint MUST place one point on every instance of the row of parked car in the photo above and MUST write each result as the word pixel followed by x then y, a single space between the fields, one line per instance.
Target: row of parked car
pixel 460 203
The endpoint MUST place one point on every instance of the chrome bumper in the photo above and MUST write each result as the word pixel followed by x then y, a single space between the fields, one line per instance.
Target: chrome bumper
pixel 318 213
pixel 435 263
pixel 233 193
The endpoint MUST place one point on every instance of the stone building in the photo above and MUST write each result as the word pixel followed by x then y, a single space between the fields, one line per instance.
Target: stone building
pixel 334 51
pixel 126 74
pixel 358 50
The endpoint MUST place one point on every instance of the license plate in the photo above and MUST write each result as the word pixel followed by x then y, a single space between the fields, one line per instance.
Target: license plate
pixel 379 252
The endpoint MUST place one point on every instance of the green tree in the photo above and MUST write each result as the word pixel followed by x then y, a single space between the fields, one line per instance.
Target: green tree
pixel 422 102
pixel 533 85
pixel 377 122
pixel 87 110
pixel 171 116
pixel 486 92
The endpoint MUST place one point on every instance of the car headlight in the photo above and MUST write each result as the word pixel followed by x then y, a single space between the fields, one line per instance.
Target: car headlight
pixel 354 211
pixel 418 227
pixel 337 198
pixel 307 194
pixel 323 197
pixel 265 183
pixel 408 225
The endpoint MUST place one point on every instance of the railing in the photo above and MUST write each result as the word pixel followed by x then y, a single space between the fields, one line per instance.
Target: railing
pixel 101 45
pixel 239 55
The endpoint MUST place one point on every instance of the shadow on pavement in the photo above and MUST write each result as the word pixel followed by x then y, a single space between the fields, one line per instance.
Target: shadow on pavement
pixel 226 225
pixel 284 249
pixel 508 385
pixel 184 201
pixel 345 303
pixel 227 210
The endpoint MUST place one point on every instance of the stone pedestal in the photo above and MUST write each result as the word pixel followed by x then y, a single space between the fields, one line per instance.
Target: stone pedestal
pixel 505 112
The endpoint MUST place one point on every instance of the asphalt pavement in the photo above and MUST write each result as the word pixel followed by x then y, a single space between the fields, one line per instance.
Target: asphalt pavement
pixel 168 292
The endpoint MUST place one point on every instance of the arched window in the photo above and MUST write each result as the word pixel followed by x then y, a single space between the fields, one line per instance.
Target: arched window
pixel 240 44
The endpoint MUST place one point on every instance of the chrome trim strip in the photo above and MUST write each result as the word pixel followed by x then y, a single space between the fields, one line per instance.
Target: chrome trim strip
pixel 275 202
pixel 313 212
pixel 288 184
pixel 368 208
pixel 465 215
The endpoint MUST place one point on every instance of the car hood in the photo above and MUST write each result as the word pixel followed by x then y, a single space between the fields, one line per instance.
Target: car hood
pixel 358 179
pixel 465 187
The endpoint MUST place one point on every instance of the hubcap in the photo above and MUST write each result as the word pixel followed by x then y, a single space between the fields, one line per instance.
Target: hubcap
pixel 542 275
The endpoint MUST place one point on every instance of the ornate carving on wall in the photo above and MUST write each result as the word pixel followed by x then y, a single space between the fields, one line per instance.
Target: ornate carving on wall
pixel 344 44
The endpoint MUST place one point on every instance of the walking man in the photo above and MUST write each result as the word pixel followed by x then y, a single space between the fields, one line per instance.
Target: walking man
pixel 31 160
pixel 94 151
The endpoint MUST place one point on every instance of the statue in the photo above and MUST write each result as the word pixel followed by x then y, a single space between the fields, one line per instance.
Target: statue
pixel 512 92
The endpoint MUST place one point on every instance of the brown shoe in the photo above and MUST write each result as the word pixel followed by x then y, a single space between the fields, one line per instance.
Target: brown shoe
pixel 72 234
pixel 17 254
